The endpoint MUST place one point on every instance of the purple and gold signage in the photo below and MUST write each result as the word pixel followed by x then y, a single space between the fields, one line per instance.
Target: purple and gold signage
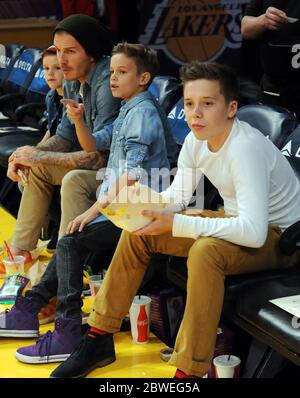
pixel 183 30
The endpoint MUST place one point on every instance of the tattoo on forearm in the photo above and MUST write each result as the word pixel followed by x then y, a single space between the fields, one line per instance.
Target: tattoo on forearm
pixel 74 160
pixel 55 144
pixel 90 161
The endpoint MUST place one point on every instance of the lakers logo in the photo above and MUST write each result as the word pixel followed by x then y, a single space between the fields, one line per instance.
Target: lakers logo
pixel 194 29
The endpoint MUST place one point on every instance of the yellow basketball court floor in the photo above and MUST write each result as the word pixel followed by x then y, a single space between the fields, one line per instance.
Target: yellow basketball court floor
pixel 133 361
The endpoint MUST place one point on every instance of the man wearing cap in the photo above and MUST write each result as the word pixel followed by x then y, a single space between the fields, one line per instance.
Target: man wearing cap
pixel 80 41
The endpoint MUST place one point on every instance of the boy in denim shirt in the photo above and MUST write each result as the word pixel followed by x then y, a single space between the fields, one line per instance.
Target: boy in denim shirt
pixel 137 140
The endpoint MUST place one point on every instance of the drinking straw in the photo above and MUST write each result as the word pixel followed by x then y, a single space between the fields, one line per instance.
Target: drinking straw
pixel 228 357
pixel 89 270
pixel 9 252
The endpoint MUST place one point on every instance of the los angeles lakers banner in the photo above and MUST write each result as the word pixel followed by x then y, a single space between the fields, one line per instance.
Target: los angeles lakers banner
pixel 182 30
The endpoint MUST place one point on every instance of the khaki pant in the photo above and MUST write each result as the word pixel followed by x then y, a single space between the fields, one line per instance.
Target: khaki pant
pixel 209 261
pixel 78 193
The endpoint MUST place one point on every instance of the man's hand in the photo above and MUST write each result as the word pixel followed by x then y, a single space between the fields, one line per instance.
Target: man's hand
pixel 12 156
pixel 12 171
pixel 274 18
pixel 26 156
pixel 74 110
pixel 161 224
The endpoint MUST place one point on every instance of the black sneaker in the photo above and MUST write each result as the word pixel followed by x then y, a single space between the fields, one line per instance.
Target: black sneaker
pixel 93 351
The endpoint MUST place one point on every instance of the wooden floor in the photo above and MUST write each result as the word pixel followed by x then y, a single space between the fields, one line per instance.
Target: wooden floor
pixel 133 361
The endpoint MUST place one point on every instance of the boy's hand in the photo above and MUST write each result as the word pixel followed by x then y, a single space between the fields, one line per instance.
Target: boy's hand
pixel 103 202
pixel 74 110
pixel 162 222
pixel 82 220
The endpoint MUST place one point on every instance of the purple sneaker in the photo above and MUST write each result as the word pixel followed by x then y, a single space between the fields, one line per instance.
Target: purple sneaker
pixel 53 346
pixel 21 320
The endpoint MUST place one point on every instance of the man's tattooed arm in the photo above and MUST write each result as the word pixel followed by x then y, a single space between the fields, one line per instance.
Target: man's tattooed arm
pixel 73 160
pixel 55 144
pixel 55 151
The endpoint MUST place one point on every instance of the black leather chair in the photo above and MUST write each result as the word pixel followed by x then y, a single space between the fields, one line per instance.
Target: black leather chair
pixel 274 122
pixel 8 56
pixel 14 89
pixel 31 112
pixel 16 138
pixel 275 332
pixel 177 120
pixel 24 82
pixel 32 102
pixel 167 90
pixel 23 101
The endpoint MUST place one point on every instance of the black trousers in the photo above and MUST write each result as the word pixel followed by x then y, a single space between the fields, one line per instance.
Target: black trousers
pixel 64 273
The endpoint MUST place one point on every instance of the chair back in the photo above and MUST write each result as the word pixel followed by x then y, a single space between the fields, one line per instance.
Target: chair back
pixel 38 87
pixel 167 90
pixel 23 71
pixel 274 122
pixel 8 55
pixel 291 150
pixel 177 120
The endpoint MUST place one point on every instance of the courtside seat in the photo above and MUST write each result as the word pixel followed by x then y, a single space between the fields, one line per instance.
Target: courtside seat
pixel 25 69
pixel 9 53
pixel 177 120
pixel 273 329
pixel 234 284
pixel 167 90
pixel 25 84
pixel 19 137
pixel 274 122
pixel 291 150
pixel 32 110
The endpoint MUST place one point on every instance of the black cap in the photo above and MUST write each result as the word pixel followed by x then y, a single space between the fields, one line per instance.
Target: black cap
pixel 90 33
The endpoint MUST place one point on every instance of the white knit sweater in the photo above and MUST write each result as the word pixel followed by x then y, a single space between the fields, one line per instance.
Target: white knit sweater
pixel 255 180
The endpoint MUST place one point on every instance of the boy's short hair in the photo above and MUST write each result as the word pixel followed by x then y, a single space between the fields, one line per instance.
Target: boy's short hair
pixel 224 74
pixel 145 57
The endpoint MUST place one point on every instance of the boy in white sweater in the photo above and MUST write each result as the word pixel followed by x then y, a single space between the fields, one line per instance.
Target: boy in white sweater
pixel 261 198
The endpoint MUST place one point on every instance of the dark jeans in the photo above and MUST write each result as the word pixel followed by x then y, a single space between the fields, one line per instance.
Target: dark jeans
pixel 64 273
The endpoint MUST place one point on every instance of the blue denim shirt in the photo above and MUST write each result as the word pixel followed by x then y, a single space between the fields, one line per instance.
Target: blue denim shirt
pixel 100 107
pixel 136 140
pixel 53 110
